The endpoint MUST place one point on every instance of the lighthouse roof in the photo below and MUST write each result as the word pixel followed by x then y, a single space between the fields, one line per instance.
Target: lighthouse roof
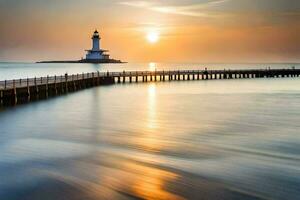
pixel 96 34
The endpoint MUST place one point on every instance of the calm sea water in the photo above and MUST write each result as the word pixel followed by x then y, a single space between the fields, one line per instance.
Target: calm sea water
pixel 217 139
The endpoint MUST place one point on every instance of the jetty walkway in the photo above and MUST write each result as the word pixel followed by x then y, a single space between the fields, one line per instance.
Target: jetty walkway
pixel 18 91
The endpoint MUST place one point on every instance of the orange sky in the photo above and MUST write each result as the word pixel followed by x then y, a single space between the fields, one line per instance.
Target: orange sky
pixel 193 31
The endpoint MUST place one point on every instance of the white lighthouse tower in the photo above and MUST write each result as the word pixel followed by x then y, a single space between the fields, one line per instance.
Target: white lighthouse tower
pixel 96 53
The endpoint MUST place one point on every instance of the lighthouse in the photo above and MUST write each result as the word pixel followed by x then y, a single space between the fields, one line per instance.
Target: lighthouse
pixel 96 53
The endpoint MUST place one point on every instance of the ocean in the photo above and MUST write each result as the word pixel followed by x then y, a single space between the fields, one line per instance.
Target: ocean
pixel 215 139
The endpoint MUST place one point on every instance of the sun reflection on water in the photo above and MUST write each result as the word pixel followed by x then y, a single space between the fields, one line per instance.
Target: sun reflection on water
pixel 149 139
pixel 151 107
pixel 152 183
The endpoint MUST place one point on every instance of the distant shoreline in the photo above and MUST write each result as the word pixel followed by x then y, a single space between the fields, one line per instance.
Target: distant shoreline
pixel 84 61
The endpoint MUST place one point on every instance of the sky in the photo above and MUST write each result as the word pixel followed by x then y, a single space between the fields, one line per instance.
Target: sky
pixel 187 30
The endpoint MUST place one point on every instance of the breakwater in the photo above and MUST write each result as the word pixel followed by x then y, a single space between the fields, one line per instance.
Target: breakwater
pixel 19 91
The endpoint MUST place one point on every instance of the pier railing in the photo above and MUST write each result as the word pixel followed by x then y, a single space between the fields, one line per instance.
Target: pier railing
pixel 9 84
pixel 27 82
pixel 30 89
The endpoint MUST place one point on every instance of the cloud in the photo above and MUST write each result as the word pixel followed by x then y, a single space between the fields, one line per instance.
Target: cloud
pixel 143 4
pixel 193 10
pixel 220 8
pixel 136 3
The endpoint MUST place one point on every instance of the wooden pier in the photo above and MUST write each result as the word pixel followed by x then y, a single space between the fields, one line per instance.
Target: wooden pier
pixel 19 91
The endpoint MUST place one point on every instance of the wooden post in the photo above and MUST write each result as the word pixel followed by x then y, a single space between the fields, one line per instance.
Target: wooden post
pixel 47 82
pixel 55 86
pixel 66 82
pixel 61 84
pixel 83 81
pixel 93 79
pixel 130 78
pixel 78 83
pixel 124 76
pixel 74 83
pixel 98 78
pixel 15 96
pixel 5 84
pixel 36 88
pixel 28 89
pixel 1 97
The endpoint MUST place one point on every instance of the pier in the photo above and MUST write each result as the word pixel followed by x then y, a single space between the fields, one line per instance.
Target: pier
pixel 20 91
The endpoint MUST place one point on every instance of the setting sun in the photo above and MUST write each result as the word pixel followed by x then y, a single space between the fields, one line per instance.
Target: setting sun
pixel 152 37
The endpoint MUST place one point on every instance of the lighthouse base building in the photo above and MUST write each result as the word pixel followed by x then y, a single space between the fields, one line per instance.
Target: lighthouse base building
pixel 96 55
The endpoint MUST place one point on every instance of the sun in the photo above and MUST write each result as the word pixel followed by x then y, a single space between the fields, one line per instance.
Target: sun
pixel 152 37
